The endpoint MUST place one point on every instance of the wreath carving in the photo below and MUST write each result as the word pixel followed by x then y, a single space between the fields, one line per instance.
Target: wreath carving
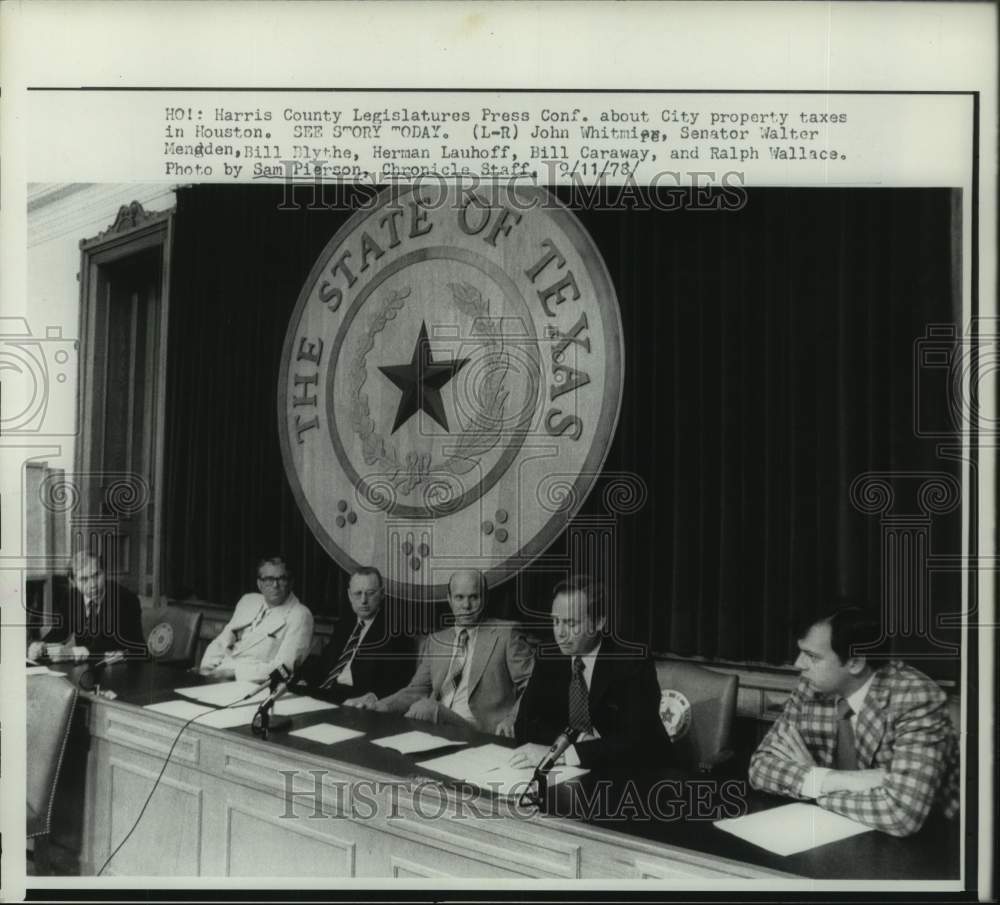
pixel 408 471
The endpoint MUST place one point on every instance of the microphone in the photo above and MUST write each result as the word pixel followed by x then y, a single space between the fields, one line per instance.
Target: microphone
pixel 534 793
pixel 279 675
pixel 278 683
pixel 559 746
pixel 89 677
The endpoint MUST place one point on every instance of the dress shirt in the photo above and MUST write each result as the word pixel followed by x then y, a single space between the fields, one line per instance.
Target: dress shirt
pixel 812 783
pixel 459 699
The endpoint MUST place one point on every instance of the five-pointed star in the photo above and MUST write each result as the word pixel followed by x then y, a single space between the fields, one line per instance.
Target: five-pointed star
pixel 421 382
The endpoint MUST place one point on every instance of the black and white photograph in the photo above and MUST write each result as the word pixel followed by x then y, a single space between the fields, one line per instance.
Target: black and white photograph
pixel 502 489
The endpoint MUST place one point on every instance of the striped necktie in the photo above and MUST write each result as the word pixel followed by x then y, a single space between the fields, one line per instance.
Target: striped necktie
pixel 346 656
pixel 454 679
pixel 846 757
pixel 579 699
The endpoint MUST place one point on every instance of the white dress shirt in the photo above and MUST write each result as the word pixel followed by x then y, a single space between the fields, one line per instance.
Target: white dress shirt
pixel 459 699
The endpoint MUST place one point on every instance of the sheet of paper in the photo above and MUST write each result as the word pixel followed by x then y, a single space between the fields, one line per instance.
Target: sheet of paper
pixel 290 705
pixel 221 694
pixel 792 828
pixel 41 671
pixel 414 742
pixel 326 733
pixel 183 710
pixel 471 764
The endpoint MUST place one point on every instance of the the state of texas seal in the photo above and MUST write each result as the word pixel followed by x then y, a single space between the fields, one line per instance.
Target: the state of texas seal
pixel 450 383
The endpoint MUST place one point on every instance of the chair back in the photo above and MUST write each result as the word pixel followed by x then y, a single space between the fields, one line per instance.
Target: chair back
pixel 50 702
pixel 171 633
pixel 698 707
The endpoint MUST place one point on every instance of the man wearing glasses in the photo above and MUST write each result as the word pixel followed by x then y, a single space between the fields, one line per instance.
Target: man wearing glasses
pixel 369 654
pixel 269 631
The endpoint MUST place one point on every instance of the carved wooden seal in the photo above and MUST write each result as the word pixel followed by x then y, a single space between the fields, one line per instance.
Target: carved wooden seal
pixel 450 383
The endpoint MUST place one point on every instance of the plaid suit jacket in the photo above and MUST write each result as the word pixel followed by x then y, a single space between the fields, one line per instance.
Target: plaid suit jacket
pixel 903 728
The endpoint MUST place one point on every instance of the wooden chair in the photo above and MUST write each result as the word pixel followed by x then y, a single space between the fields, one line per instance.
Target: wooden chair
pixel 171 633
pixel 50 701
pixel 698 708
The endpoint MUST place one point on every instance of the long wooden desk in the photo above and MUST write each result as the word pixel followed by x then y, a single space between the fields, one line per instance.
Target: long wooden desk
pixel 222 809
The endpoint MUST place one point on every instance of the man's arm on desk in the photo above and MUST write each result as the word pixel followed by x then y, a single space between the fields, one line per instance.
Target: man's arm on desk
pixel 778 765
pixel 899 803
pixel 420 686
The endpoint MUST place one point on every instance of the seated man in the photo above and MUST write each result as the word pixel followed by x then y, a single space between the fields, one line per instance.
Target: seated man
pixel 365 654
pixel 268 631
pixel 873 744
pixel 595 687
pixel 99 616
pixel 470 674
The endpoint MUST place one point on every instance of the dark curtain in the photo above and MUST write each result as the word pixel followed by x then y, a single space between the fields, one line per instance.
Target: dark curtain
pixel 769 361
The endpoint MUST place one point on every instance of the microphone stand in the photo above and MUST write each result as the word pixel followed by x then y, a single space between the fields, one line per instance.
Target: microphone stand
pixel 537 790
pixel 264 724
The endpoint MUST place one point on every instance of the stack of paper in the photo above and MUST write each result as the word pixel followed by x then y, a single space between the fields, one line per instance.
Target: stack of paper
pixel 472 763
pixel 488 767
pixel 415 742
pixel 792 828
pixel 292 704
pixel 326 733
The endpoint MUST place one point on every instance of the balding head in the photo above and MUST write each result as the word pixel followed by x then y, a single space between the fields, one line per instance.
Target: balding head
pixel 467 591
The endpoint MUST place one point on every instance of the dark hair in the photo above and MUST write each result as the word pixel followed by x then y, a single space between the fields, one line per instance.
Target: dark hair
pixel 851 627
pixel 368 570
pixel 596 601
pixel 274 561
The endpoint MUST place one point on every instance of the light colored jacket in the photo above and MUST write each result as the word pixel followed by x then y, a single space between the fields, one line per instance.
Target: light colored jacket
pixel 258 639
pixel 501 666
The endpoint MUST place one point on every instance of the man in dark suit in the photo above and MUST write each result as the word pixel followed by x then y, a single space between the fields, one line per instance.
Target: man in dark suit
pixel 98 616
pixel 367 656
pixel 595 687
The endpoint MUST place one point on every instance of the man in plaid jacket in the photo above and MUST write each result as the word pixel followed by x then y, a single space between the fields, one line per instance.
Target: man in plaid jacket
pixel 905 758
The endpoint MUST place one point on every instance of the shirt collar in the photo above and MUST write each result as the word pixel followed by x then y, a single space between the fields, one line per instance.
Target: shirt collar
pixel 856 699
pixel 589 660
pixel 471 629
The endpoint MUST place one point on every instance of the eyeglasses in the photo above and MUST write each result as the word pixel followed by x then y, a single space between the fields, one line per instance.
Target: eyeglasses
pixel 269 581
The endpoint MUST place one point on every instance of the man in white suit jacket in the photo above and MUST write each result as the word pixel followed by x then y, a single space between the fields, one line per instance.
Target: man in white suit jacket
pixel 268 630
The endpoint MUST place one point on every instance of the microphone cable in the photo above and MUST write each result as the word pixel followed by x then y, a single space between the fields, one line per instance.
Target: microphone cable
pixel 166 761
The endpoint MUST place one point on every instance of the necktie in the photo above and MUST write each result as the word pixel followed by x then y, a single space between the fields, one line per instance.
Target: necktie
pixel 345 657
pixel 92 618
pixel 846 757
pixel 451 684
pixel 259 618
pixel 579 699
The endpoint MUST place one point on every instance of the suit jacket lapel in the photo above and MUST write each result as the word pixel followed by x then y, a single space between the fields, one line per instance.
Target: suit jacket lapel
pixel 870 725
pixel 600 681
pixel 272 622
pixel 486 640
